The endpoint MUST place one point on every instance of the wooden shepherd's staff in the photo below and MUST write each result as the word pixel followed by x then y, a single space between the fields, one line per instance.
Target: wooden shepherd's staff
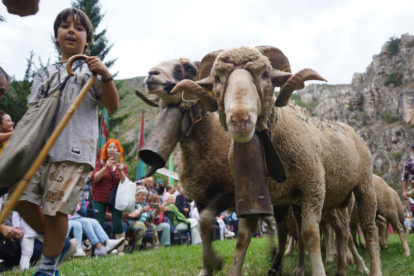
pixel 14 197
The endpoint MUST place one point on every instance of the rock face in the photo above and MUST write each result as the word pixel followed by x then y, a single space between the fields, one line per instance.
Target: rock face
pixel 379 104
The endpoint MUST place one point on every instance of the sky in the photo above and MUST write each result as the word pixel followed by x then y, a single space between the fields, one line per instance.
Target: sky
pixel 335 38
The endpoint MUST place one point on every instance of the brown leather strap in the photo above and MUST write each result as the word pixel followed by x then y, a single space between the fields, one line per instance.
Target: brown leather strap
pixel 273 162
pixel 192 116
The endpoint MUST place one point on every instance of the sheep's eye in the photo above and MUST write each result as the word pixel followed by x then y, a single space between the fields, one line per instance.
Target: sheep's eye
pixel 265 75
pixel 217 79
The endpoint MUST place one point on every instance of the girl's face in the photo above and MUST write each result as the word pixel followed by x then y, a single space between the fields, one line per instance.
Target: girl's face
pixel 140 198
pixel 6 124
pixel 112 148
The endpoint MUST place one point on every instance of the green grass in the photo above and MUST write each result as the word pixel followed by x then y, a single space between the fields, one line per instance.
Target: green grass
pixel 186 260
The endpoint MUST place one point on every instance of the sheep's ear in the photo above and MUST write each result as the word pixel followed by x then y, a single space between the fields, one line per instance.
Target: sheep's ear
pixel 206 83
pixel 279 78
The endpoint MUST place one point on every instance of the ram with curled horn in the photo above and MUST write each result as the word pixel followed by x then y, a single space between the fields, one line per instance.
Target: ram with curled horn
pixel 310 164
pixel 203 167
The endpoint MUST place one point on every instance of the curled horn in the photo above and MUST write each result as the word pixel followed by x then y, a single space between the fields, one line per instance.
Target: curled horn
pixel 192 91
pixel 296 82
pixel 278 60
pixel 151 102
pixel 207 63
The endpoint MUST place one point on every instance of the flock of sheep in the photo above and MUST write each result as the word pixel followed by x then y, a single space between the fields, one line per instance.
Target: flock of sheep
pixel 325 175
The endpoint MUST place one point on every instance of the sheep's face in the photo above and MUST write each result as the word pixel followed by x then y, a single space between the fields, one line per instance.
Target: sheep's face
pixel 163 77
pixel 242 87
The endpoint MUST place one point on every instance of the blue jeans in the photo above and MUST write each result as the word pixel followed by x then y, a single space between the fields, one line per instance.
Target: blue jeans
pixel 77 232
pixel 93 230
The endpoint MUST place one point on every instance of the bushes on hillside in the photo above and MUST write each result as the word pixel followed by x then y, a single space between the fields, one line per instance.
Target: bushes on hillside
pixel 395 78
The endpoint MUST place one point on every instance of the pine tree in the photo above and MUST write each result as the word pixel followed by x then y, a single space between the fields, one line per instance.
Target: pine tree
pixel 14 101
pixel 99 47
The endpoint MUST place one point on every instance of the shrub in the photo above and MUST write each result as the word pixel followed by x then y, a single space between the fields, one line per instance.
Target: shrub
pixel 397 156
pixel 296 99
pixel 394 78
pixel 365 119
pixel 393 46
pixel 389 117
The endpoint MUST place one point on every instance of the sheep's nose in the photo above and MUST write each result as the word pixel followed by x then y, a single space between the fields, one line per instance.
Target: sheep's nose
pixel 153 73
pixel 240 119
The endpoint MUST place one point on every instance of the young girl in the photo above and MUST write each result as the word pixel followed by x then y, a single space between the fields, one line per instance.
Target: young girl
pixel 27 242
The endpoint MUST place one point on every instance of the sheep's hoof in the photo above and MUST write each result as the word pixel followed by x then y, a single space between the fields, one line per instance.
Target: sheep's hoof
pixel 299 271
pixel 340 273
pixel 206 272
pixel 363 270
pixel 273 272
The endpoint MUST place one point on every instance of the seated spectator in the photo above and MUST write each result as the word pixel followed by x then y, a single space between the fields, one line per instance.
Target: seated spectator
pixel 93 231
pixel 157 214
pixel 138 220
pixel 177 190
pixel 149 184
pixel 234 223
pixel 160 186
pixel 169 190
pixel 224 231
pixel 6 129
pixel 195 231
pixel 182 204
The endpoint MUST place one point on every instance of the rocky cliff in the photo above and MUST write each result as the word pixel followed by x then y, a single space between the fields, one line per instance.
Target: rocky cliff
pixel 379 104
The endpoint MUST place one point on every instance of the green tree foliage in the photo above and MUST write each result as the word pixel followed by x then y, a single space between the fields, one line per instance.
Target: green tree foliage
pixel 395 78
pixel 14 101
pixel 99 47
pixel 393 46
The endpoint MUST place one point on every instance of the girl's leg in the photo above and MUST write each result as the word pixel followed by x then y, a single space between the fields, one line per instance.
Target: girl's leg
pixel 99 231
pixel 27 245
pixel 195 232
pixel 165 234
pixel 222 227
pixel 89 232
pixel 76 230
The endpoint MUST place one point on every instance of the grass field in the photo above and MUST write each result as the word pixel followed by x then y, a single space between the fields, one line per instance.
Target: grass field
pixel 186 260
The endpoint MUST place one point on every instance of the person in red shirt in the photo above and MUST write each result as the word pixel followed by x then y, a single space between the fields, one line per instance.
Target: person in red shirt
pixel 107 174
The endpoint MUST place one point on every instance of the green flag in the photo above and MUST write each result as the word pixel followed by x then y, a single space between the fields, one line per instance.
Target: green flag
pixel 141 167
pixel 171 168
